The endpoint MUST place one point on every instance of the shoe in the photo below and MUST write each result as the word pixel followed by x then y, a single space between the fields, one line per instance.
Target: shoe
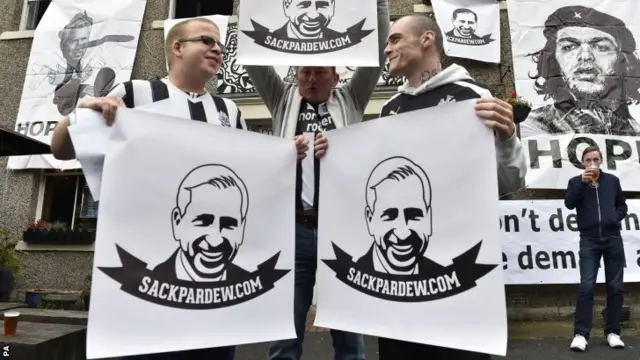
pixel 579 343
pixel 614 341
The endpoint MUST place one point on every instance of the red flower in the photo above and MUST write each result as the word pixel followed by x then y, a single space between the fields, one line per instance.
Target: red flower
pixel 514 94
pixel 40 224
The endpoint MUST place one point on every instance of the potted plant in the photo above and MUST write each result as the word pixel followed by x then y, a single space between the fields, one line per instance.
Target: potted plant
pixel 86 293
pixel 10 265
pixel 521 107
pixel 43 232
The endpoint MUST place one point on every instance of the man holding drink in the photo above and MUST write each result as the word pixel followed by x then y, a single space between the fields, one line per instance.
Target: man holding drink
pixel 600 206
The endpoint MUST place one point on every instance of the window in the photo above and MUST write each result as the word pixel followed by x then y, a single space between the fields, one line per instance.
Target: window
pixel 32 13
pixel 179 9
pixel 65 198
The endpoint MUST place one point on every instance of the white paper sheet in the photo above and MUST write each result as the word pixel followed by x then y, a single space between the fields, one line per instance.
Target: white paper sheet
pixel 302 33
pixel 89 137
pixel 470 28
pixel 172 188
pixel 394 205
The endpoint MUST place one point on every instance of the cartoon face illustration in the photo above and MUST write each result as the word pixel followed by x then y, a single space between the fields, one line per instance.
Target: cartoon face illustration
pixel 398 212
pixel 309 17
pixel 74 37
pixel 465 22
pixel 587 57
pixel 209 219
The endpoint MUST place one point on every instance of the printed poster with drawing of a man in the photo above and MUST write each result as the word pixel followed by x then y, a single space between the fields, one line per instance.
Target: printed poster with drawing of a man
pixel 470 29
pixel 577 64
pixel 193 246
pixel 409 238
pixel 307 32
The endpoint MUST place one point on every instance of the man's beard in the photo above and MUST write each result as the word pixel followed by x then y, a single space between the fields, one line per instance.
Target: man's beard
pixel 210 263
pixel 308 30
pixel 403 256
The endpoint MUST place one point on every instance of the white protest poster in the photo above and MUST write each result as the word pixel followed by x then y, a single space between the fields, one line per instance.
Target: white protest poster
pixel 540 242
pixel 311 33
pixel 198 242
pixel 576 62
pixel 390 241
pixel 233 78
pixel 81 48
pixel 222 21
pixel 470 28
pixel 90 137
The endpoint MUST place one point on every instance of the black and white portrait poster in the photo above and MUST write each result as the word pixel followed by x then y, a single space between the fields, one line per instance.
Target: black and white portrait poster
pixel 233 77
pixel 405 235
pixel 470 28
pixel 195 247
pixel 576 62
pixel 80 49
pixel 308 32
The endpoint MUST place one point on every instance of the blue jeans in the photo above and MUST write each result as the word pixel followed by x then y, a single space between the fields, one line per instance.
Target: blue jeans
pixel 346 346
pixel 591 251
pixel 219 353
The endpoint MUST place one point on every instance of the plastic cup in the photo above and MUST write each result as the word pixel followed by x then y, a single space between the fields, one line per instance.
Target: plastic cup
pixel 11 323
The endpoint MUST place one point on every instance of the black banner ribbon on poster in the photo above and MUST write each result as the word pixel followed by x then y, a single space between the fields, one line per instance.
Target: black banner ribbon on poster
pixel 263 37
pixel 143 283
pixel 441 282
pixel 485 40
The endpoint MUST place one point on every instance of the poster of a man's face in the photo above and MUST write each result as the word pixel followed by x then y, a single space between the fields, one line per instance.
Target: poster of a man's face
pixel 589 69
pixel 465 23
pixel 74 38
pixel 308 18
pixel 209 221
pixel 398 215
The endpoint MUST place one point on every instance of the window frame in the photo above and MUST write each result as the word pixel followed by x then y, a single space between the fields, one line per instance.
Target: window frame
pixel 42 185
pixel 24 16
pixel 171 14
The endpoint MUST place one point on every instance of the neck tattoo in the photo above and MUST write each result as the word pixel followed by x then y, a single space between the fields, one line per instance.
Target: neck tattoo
pixel 428 74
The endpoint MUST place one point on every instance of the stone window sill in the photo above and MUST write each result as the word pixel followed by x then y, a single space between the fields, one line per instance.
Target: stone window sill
pixel 23 246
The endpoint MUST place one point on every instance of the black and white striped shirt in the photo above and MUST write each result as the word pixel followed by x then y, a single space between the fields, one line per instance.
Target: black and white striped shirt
pixel 200 107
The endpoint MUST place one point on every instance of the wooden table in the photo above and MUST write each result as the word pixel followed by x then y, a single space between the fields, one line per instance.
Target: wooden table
pixel 46 341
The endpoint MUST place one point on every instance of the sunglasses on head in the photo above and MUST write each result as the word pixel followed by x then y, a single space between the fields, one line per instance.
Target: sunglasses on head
pixel 207 40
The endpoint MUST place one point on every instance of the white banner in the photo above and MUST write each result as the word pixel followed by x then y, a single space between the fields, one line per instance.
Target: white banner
pixel 233 78
pixel 576 62
pixel 470 28
pixel 540 242
pixel 308 33
pixel 80 50
pixel 554 159
pixel 395 247
pixel 199 241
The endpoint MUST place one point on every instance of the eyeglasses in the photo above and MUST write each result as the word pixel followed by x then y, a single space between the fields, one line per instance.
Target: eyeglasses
pixel 207 40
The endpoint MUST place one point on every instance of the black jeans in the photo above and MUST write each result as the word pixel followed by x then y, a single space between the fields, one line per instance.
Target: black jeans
pixel 390 349
pixel 591 251
pixel 220 353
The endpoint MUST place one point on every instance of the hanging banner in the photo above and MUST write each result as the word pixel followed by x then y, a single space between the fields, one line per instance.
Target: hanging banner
pixel 80 50
pixel 540 243
pixel 233 78
pixel 576 63
pixel 395 247
pixel 199 242
pixel 311 33
pixel 470 28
